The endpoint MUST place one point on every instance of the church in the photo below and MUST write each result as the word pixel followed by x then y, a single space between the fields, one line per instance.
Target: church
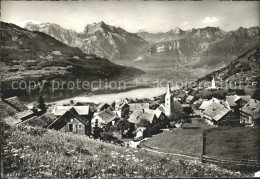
pixel 171 105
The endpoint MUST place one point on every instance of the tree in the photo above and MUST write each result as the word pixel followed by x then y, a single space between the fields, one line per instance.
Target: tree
pixel 41 104
pixel 96 130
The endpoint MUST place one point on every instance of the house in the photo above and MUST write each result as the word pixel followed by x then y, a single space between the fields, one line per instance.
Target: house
pixel 216 112
pixel 138 115
pixel 206 105
pixel 14 111
pixel 190 99
pixel 71 121
pixel 138 106
pixel 236 102
pixel 103 118
pixel 103 106
pixel 121 107
pixel 250 113
pixel 140 133
pixel 81 110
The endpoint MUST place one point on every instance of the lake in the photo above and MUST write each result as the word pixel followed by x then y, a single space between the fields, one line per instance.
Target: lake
pixel 109 98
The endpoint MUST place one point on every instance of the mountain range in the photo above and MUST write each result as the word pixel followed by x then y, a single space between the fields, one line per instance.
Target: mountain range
pixel 31 55
pixel 207 46
pixel 99 38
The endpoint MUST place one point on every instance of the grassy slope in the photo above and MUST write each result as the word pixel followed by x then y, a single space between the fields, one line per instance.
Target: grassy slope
pixel 184 141
pixel 35 152
pixel 239 143
pixel 35 51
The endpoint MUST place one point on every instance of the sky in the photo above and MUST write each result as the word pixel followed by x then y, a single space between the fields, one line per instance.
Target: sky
pixel 151 16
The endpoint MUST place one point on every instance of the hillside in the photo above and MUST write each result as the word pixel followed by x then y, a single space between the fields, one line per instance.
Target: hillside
pixel 27 55
pixel 245 66
pixel 208 46
pixel 41 153
pixel 98 38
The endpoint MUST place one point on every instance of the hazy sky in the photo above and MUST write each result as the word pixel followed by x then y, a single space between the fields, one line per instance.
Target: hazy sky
pixel 133 16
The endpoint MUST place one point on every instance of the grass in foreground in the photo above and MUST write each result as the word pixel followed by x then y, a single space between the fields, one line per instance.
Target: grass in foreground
pixel 237 143
pixel 36 152
pixel 182 141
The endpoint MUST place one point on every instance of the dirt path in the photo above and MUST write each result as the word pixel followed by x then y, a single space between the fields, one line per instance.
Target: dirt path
pixel 174 154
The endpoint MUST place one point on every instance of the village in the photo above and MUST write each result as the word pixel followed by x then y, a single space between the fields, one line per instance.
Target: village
pixel 129 120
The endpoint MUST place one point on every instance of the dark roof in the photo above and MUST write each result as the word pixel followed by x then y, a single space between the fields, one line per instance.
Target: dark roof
pixel 107 116
pixel 252 108
pixel 101 105
pixel 246 98
pixel 70 113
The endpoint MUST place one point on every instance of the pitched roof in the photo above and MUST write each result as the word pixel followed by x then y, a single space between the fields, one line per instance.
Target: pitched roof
pixel 71 112
pixel 252 108
pixel 231 100
pixel 107 115
pixel 206 104
pixel 60 110
pixel 181 95
pixel 16 103
pixel 189 98
pixel 176 106
pixel 138 106
pixel 216 110
pixel 120 103
pixel 137 115
pixel 246 98
pixel 101 105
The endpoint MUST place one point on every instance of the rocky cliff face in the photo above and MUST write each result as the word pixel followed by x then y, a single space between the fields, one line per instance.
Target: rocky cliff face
pixel 98 38
pixel 197 47
pixel 208 46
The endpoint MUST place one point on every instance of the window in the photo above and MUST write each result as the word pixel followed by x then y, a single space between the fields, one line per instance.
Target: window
pixel 80 126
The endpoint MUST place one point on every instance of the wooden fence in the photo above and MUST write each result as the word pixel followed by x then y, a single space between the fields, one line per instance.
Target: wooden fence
pixel 230 161
pixel 220 160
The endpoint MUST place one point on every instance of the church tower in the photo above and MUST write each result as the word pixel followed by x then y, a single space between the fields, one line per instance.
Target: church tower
pixel 213 83
pixel 168 102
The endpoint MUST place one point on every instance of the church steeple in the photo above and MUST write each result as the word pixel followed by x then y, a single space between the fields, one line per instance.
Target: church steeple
pixel 168 101
pixel 213 83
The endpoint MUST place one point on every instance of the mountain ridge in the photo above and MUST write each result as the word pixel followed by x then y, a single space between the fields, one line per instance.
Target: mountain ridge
pixel 97 38
pixel 31 55
pixel 199 47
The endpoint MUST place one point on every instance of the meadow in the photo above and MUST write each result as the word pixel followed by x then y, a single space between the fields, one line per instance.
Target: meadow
pixel 40 153
pixel 187 140
pixel 237 143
